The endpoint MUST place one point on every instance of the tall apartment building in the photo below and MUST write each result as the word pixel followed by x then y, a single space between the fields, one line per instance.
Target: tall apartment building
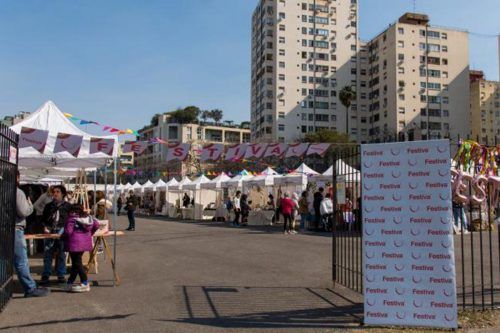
pixel 414 82
pixel 155 156
pixel 303 53
pixel 484 109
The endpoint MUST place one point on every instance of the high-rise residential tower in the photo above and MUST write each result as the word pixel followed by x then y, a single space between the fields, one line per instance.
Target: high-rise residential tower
pixel 414 82
pixel 303 53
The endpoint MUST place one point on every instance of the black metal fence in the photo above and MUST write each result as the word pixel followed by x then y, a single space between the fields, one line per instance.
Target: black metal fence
pixel 8 168
pixel 477 243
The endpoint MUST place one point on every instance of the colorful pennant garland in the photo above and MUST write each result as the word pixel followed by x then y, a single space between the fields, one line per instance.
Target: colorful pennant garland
pixel 105 128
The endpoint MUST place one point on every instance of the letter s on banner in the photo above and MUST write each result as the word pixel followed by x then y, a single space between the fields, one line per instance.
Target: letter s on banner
pixel 178 151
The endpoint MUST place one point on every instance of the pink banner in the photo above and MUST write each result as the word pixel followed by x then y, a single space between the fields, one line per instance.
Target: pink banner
pixel 297 150
pixel 99 145
pixel 178 151
pixel 276 149
pixel 68 142
pixel 35 138
pixel 236 152
pixel 211 152
pixel 137 147
pixel 318 148
pixel 256 150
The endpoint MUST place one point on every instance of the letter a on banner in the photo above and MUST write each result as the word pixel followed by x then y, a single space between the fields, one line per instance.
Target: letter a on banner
pixel 137 147
pixel 236 152
pixel 211 152
pixel 276 149
pixel 255 150
pixel 297 150
pixel 99 145
pixel 318 148
pixel 178 151
pixel 35 138
pixel 408 259
pixel 68 142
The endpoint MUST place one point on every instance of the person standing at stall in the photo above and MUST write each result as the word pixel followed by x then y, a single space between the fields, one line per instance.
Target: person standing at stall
pixel 24 208
pixel 287 207
pixel 318 198
pixel 237 209
pixel 54 218
pixel 131 206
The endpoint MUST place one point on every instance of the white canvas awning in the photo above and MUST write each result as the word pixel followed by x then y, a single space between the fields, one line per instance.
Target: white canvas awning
pixel 179 186
pixel 196 184
pixel 235 182
pixel 343 168
pixel 159 185
pixel 299 176
pixel 266 178
pixel 216 182
pixel 148 185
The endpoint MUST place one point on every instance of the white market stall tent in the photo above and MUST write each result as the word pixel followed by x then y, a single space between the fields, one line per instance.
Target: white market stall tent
pixel 297 180
pixel 351 174
pixel 201 198
pixel 259 187
pixel 174 195
pixel 214 187
pixel 237 181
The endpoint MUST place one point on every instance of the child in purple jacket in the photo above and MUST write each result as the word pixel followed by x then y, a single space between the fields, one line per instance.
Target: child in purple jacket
pixel 77 236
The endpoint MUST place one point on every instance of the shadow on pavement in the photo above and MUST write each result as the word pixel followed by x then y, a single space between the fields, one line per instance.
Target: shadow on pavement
pixel 267 307
pixel 71 320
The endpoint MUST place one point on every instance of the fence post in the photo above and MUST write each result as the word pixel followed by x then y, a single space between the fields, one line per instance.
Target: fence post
pixel 334 224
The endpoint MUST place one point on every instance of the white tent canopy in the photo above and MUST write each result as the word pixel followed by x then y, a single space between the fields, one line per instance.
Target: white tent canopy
pixel 298 177
pixel 342 168
pixel 196 184
pixel 148 185
pixel 49 118
pixel 235 182
pixel 159 185
pixel 136 186
pixel 178 186
pixel 216 183
pixel 266 178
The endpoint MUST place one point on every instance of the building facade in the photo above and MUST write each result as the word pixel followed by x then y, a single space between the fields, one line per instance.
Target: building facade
pixel 154 158
pixel 13 120
pixel 484 109
pixel 414 83
pixel 303 53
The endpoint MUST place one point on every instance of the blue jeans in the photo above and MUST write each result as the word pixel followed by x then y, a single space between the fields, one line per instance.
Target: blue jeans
pixel 21 263
pixel 131 218
pixel 459 214
pixel 303 220
pixel 51 245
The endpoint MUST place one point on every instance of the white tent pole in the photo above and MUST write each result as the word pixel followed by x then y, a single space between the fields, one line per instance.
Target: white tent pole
pixel 114 220
pixel 106 181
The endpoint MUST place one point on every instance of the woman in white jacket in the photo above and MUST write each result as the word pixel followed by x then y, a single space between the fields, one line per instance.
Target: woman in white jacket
pixel 326 210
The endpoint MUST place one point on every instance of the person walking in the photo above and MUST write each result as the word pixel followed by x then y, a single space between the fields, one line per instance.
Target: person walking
pixel 119 205
pixel 237 209
pixel 295 211
pixel 245 210
pixel 54 218
pixel 318 198
pixel 24 208
pixel 131 206
pixel 303 210
pixel 77 237
pixel 287 206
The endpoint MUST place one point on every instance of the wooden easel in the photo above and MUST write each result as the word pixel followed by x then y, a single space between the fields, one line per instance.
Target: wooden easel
pixel 92 263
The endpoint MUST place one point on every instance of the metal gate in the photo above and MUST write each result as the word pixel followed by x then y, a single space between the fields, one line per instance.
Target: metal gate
pixel 477 253
pixel 8 169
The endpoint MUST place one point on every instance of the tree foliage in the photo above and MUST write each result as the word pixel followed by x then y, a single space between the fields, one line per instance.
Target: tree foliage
pixel 186 116
pixel 347 95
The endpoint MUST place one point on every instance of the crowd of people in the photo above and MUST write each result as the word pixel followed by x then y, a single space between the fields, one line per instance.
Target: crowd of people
pixel 56 213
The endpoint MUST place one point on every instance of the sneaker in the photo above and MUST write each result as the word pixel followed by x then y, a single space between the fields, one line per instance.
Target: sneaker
pixel 38 292
pixel 44 281
pixel 61 280
pixel 80 288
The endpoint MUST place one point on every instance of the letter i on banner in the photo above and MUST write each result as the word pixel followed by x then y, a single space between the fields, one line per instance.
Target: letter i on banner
pixel 100 145
pixel 236 152
pixel 408 259
pixel 35 138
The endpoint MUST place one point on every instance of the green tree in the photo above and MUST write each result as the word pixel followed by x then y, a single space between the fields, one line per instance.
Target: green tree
pixel 326 136
pixel 217 115
pixel 204 116
pixel 346 96
pixel 245 124
pixel 186 116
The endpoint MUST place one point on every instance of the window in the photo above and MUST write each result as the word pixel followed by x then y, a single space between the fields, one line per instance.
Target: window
pixel 281 127
pixel 282 27
pixel 281 52
pixel 304 129
pixel 401 31
pixel 445 48
pixel 304 117
pixel 401 70
pixel 433 47
pixel 433 34
pixel 445 61
pixel 401 57
pixel 401 97
pixel 304 79
pixel 281 16
pixel 281 115
pixel 445 75
pixel 318 20
pixel 401 110
pixel 281 40
pixel 401 43
pixel 353 47
pixel 446 100
pixel 281 77
pixel 422 33
pixel 282 64
pixel 444 35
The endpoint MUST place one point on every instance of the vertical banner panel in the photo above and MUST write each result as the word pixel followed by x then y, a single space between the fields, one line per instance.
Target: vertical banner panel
pixel 408 259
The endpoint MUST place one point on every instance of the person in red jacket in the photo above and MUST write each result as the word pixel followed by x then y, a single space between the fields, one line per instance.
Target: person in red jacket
pixel 287 207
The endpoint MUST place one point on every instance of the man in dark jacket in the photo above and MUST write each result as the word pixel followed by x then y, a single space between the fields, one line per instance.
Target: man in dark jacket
pixel 318 198
pixel 131 206
pixel 54 218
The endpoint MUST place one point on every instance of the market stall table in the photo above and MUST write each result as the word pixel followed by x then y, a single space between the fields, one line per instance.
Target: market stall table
pixel 100 239
pixel 260 217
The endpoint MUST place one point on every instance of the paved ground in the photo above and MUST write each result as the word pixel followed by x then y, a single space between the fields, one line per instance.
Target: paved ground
pixel 190 277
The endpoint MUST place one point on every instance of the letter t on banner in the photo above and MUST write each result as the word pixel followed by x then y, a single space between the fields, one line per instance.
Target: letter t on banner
pixel 211 152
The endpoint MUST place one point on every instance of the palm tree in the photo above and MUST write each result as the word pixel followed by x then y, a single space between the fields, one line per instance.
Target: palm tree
pixel 204 115
pixel 217 115
pixel 346 96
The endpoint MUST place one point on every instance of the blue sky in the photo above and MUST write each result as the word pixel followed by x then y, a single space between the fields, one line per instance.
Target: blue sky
pixel 119 62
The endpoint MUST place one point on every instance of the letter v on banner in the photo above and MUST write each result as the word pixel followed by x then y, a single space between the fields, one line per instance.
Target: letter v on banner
pixel 178 151
pixel 255 150
pixel 211 152
pixel 318 148
pixel 276 149
pixel 236 152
